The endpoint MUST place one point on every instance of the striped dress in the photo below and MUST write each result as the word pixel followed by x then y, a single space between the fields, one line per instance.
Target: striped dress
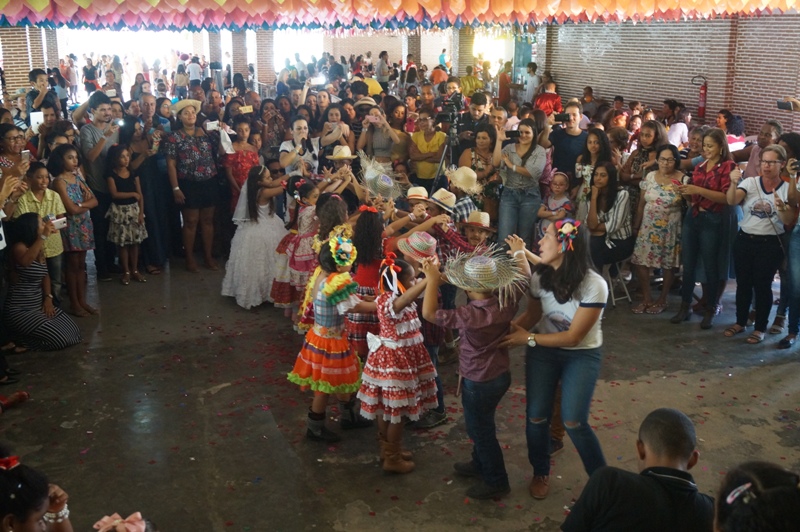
pixel 26 319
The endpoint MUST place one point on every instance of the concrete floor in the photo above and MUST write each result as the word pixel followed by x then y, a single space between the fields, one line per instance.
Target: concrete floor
pixel 177 405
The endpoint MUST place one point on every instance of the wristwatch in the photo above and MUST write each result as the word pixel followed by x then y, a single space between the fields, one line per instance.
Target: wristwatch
pixel 532 340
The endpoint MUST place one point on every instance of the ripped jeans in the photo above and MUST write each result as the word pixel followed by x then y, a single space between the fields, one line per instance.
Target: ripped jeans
pixel 577 370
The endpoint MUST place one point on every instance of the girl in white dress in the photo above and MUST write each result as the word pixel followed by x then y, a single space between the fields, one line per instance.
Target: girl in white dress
pixel 251 267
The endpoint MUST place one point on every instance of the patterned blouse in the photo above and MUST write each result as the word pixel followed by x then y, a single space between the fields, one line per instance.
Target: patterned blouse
pixel 194 156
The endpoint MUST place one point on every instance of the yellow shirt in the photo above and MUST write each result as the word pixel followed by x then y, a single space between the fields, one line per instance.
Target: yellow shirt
pixel 373 86
pixel 425 169
pixel 51 204
pixel 400 149
pixel 469 84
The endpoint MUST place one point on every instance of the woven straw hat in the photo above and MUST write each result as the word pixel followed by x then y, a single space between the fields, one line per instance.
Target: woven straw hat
pixel 183 104
pixel 341 152
pixel 443 199
pixel 479 219
pixel 486 270
pixel 464 178
pixel 419 245
pixel 417 193
pixel 384 186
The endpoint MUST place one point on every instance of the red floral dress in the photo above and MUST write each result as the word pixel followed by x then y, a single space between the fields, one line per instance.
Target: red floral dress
pixel 240 164
pixel 398 378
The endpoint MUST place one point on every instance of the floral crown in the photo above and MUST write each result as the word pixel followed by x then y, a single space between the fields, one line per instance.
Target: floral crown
pixel 566 231
pixel 343 251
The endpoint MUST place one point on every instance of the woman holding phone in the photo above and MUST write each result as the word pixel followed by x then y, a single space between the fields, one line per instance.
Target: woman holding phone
pixel 335 132
pixel 377 136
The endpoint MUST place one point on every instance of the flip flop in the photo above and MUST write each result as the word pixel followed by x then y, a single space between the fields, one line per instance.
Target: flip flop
pixel 733 330
pixel 641 308
pixel 153 270
pixel 756 337
pixel 658 308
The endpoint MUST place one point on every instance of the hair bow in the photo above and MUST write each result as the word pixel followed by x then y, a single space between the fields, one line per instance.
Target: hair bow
pixel 9 462
pixel 566 231
pixel 299 183
pixel 389 271
pixel 368 208
pixel 115 523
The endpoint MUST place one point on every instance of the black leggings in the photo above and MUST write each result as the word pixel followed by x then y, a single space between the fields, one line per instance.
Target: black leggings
pixel 602 254
pixel 756 259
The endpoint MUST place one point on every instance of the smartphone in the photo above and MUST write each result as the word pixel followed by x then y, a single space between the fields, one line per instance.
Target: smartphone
pixel 795 167
pixel 562 117
pixel 212 126
pixel 373 119
pixel 676 183
pixel 111 93
pixel 318 80
pixel 26 156
pixel 512 134
pixel 786 106
pixel 60 223
pixel 246 109
pixel 120 122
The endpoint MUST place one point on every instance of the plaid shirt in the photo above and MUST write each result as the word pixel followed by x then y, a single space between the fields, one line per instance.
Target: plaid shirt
pixel 462 208
pixel 454 241
pixel 444 247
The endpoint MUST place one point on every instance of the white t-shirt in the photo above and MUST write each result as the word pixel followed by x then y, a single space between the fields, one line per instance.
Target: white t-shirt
pixel 557 317
pixel 678 134
pixel 3 243
pixel 195 71
pixel 294 168
pixel 760 216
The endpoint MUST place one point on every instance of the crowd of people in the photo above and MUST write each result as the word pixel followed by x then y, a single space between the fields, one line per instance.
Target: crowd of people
pixel 364 200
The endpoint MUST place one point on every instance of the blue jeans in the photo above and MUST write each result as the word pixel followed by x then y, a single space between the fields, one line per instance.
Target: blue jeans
pixel 518 214
pixel 701 237
pixel 480 400
pixel 577 370
pixel 433 351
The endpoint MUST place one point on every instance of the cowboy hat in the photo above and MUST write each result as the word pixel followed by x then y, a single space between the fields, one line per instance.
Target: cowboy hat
pixel 417 193
pixel 418 246
pixel 443 199
pixel 478 220
pixel 464 178
pixel 485 270
pixel 183 104
pixel 341 152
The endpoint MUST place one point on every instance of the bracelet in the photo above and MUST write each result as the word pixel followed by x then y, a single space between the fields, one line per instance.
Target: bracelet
pixel 58 517
pixel 412 217
pixel 49 295
pixel 175 189
pixel 517 252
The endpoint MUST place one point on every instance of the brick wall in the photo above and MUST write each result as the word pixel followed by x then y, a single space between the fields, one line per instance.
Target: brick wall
pixel 345 46
pixel 37 47
pixel 239 56
pixel 265 50
pixel 51 47
pixel 466 52
pixel 214 46
pixel 652 62
pixel 16 57
pixel 431 47
pixel 414 44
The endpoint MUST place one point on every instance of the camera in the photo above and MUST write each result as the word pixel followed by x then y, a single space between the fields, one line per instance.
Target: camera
pixel 795 167
pixel 451 108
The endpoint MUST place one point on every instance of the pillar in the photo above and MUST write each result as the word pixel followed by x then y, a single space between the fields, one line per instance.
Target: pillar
pixel 16 57
pixel 265 52
pixel 239 56
pixel 51 48
pixel 36 47
pixel 415 47
pixel 214 47
pixel 464 54
pixel 198 43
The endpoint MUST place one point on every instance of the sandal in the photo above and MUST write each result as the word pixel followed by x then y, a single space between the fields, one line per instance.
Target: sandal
pixel 153 270
pixel 138 277
pixel 126 278
pixel 640 308
pixel 658 308
pixel 733 330
pixel 756 337
pixel 778 325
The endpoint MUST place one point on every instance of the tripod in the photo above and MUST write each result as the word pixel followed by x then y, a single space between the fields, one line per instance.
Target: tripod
pixel 450 147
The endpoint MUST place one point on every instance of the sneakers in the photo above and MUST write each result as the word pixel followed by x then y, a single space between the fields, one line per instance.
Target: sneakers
pixel 483 491
pixel 556 446
pixel 540 487
pixel 466 469
pixel 431 419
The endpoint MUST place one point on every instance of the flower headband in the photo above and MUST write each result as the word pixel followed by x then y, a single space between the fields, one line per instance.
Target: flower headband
pixel 389 271
pixel 343 251
pixel 115 523
pixel 566 231
pixel 8 463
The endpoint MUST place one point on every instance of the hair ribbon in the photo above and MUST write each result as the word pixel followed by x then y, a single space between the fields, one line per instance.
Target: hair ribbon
pixel 9 463
pixel 368 208
pixel 389 280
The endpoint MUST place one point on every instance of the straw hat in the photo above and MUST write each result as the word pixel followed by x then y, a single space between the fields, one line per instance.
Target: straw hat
pixel 417 193
pixel 443 199
pixel 384 186
pixel 464 178
pixel 419 245
pixel 486 270
pixel 478 219
pixel 183 104
pixel 365 101
pixel 341 152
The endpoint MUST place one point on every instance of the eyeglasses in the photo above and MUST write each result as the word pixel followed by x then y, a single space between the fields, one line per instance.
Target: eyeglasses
pixel 14 138
pixel 770 163
pixel 666 160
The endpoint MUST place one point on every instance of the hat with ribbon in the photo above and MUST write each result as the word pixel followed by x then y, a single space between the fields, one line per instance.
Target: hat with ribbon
pixel 485 270
pixel 341 152
pixel 480 220
pixel 419 245
pixel 444 199
pixel 183 104
pixel 464 178
pixel 115 523
pixel 417 193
